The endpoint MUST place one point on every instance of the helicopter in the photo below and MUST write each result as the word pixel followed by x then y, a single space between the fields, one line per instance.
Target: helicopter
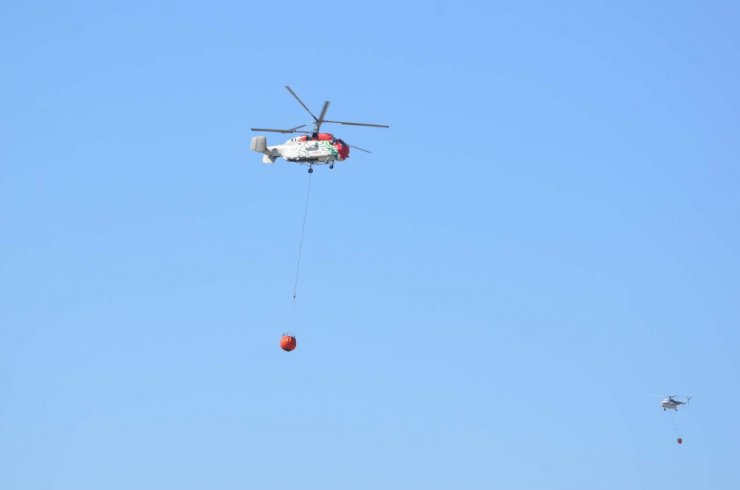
pixel 672 402
pixel 314 147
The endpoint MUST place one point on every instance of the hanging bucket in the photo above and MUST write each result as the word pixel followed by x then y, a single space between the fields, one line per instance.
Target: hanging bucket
pixel 287 343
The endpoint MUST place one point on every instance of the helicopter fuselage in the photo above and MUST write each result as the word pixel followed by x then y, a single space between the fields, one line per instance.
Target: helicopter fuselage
pixel 303 150
pixel 671 404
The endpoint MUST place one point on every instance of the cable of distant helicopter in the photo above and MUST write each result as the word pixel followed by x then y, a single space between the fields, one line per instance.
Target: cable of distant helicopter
pixel 675 427
pixel 300 246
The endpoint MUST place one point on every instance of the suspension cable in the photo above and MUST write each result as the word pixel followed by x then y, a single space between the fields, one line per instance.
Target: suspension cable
pixel 675 427
pixel 303 231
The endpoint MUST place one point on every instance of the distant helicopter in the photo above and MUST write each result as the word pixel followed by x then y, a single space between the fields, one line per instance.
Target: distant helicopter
pixel 314 148
pixel 672 402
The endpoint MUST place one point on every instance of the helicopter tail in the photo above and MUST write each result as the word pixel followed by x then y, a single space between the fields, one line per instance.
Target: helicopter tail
pixel 259 144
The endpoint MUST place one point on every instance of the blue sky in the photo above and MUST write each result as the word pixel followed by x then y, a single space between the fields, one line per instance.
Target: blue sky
pixel 547 233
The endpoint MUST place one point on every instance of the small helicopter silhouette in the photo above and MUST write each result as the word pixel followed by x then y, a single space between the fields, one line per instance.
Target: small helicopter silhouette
pixel 314 148
pixel 672 402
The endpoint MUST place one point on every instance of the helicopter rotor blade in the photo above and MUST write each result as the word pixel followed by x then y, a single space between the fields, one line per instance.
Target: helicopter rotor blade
pixel 323 112
pixel 358 148
pixel 302 104
pixel 284 131
pixel 358 124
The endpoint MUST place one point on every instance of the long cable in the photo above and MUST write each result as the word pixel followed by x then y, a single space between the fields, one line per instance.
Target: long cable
pixel 303 232
pixel 675 427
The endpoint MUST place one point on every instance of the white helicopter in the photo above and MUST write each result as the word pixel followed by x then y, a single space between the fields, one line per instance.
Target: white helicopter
pixel 672 402
pixel 314 148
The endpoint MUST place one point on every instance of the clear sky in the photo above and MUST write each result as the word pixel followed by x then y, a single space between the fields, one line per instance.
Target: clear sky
pixel 547 234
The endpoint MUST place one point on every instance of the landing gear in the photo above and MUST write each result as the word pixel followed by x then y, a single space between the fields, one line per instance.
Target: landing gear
pixel 331 166
pixel 310 170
